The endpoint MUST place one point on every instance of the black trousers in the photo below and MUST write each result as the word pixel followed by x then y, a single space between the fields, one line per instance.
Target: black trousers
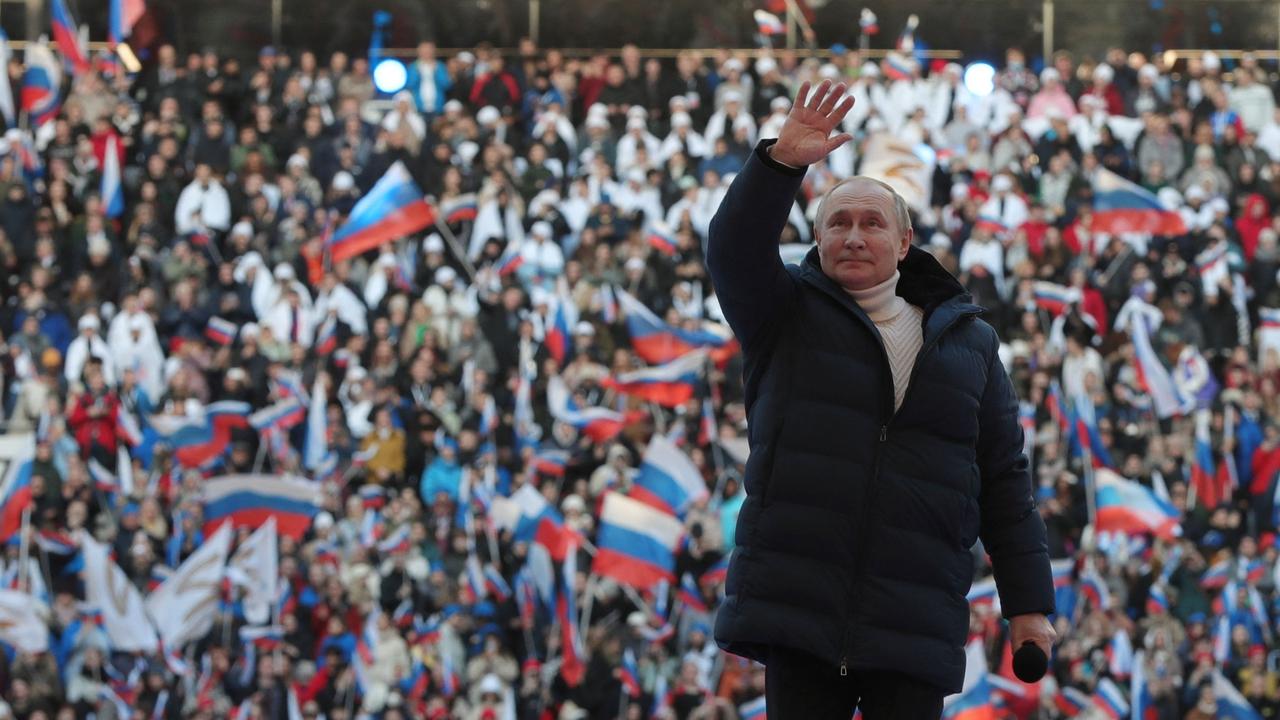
pixel 799 686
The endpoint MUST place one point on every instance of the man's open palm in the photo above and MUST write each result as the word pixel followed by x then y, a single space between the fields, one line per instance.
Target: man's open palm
pixel 805 136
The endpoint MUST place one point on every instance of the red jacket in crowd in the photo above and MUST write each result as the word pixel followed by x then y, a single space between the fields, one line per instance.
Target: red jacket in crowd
pixel 90 427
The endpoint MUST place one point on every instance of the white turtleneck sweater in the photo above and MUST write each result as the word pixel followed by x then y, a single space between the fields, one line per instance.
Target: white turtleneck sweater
pixel 901 329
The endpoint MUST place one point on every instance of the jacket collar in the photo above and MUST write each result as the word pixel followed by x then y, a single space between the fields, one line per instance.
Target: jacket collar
pixel 923 283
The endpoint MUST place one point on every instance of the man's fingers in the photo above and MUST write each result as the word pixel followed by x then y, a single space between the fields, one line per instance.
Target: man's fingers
pixel 814 101
pixel 837 141
pixel 802 96
pixel 829 102
pixel 842 109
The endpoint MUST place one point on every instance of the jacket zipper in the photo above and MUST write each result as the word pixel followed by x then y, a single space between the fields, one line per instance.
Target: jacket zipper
pixel 860 554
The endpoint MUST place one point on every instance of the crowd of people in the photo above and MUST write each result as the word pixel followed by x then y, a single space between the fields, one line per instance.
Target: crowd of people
pixel 581 188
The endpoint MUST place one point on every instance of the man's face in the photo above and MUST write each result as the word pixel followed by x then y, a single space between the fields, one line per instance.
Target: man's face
pixel 859 238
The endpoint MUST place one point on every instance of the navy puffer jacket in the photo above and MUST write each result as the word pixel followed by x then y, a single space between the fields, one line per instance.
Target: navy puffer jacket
pixel 854 541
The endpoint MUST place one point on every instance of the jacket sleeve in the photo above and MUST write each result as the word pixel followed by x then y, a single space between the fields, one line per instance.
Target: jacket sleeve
pixel 750 281
pixel 1012 530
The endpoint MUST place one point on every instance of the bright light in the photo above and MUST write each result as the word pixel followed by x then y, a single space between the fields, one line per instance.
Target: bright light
pixel 389 75
pixel 979 78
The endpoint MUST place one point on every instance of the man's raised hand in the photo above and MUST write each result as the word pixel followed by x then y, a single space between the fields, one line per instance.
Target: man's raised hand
pixel 805 136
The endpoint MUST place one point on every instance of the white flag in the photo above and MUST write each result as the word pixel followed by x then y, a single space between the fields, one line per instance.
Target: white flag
pixel 254 567
pixel 124 470
pixel 22 621
pixel 184 605
pixel 907 168
pixel 108 588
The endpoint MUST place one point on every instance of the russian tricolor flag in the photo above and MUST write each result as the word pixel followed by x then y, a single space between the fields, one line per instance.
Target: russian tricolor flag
pixel 660 237
pixel 248 500
pixel 630 674
pixel 56 543
pixel 599 424
pixel 636 543
pixel 459 209
pixel 1127 507
pixel 371 497
pixel 1110 700
pixel 396 542
pixel 475 578
pixel 1054 297
pixel 495 584
pixel 1231 704
pixel 266 637
pixel 1120 206
pixel 1057 408
pixel 669 385
pixel 41 84
pixel 573 654
pixel 559 337
pixel 1093 587
pixel 767 23
pixel 657 342
pixel 1086 436
pixel 690 594
pixel 66 33
pixel 868 23
pixel 983 592
pixel 197 442
pixel 551 461
pixel 991 224
pixel 754 710
pixel 221 331
pixel 15 493
pixel 112 186
pixel 530 518
pixel 718 572
pixel 511 259
pixel 285 414
pixel 121 17
pixel 1071 701
pixel 668 479
pixel 1157 599
pixel 1204 479
pixel 327 337
pixel 1216 575
pixel 897 67
pixel 393 209
pixel 973 704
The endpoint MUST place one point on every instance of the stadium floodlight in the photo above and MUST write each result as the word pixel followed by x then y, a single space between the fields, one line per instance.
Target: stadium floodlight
pixel 389 75
pixel 979 79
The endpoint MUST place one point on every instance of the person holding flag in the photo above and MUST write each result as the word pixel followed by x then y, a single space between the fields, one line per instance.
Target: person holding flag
pixel 885 441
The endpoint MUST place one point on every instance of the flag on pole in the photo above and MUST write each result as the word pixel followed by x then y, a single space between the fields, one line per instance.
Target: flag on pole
pixel 393 209
pixel 186 603
pixel 122 16
pixel 254 567
pixel 67 34
pixel 112 185
pixel 41 84
pixel 637 543
pixel 111 592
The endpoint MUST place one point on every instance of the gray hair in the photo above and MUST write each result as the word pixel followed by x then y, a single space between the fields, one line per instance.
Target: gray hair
pixel 900 211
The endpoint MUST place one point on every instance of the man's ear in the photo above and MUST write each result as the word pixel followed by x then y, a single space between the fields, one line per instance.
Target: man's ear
pixel 906 243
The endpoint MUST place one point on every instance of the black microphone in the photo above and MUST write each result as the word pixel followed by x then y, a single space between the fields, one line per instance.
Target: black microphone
pixel 1029 662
